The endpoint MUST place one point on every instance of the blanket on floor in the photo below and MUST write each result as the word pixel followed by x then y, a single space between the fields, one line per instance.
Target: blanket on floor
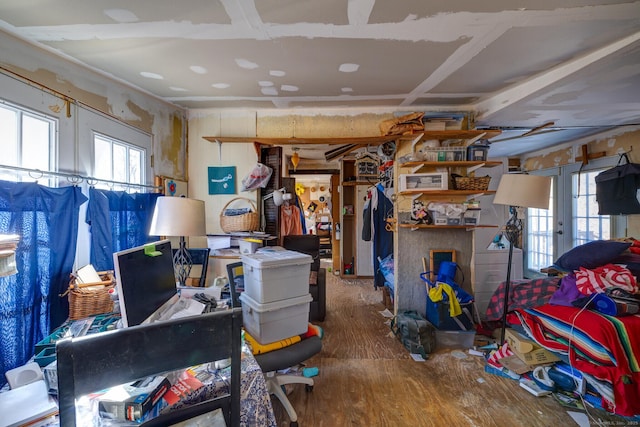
pixel 605 347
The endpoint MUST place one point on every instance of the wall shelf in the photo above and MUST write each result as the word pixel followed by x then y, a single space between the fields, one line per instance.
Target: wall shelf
pixel 354 183
pixel 466 227
pixel 461 164
pixel 447 193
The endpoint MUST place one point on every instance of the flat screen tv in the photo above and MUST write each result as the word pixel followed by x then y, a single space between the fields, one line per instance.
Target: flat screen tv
pixel 145 281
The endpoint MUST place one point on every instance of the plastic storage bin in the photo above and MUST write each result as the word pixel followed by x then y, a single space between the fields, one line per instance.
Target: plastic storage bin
pixel 455 339
pixel 276 275
pixel 275 321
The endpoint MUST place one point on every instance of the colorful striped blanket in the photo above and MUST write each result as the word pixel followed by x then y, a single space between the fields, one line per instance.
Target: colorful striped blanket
pixel 604 347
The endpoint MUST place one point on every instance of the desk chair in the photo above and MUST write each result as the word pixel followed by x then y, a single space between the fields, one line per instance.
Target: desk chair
pixel 272 362
pixel 235 274
pixel 310 244
pixel 94 362
pixel 199 256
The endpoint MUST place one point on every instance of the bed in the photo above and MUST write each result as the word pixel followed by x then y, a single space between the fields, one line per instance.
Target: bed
pixel 604 348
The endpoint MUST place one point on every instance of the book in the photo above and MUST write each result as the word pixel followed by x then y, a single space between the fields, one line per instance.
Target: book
pixel 27 404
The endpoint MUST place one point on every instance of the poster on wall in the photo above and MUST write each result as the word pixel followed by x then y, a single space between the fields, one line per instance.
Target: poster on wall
pixel 174 187
pixel 222 180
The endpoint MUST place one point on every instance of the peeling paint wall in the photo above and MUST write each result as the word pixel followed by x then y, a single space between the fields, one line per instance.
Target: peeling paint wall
pixel 330 124
pixel 202 153
pixel 611 144
pixel 91 89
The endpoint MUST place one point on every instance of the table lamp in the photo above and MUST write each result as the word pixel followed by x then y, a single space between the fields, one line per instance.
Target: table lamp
pixel 179 217
pixel 525 191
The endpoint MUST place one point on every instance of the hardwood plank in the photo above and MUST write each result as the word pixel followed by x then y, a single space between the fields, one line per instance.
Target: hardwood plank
pixel 367 378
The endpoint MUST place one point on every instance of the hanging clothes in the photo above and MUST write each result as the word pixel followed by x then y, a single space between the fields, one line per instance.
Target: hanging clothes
pixel 290 220
pixel 300 209
pixel 376 211
pixel 366 221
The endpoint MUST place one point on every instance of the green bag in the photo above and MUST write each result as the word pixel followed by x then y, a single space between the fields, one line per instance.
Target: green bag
pixel 414 332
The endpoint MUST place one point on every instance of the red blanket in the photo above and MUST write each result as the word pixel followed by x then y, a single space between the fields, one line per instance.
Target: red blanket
pixel 605 347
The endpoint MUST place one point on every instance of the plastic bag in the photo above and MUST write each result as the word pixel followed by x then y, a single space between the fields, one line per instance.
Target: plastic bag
pixel 257 178
pixel 387 268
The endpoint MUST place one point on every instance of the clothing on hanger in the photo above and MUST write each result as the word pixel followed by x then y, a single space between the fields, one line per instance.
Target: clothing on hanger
pixel 290 220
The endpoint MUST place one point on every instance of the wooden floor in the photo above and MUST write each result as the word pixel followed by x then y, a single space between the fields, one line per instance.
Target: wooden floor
pixel 368 379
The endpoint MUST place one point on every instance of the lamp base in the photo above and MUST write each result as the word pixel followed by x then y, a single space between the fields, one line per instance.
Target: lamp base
pixel 182 263
pixel 512 231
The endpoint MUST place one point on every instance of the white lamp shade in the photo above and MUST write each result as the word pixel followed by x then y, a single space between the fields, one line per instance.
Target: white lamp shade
pixel 278 197
pixel 178 216
pixel 527 191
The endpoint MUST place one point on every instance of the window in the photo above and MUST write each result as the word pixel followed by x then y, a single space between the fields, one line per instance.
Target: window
pixel 28 141
pixel 587 224
pixel 540 237
pixel 118 161
pixel 572 219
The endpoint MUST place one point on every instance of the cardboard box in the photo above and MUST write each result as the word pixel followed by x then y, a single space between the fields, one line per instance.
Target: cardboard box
pixel 131 402
pixel 527 350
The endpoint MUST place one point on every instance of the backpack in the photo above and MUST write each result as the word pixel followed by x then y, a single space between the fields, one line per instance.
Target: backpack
pixel 414 332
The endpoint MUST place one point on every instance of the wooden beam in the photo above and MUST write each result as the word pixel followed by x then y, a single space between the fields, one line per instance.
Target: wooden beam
pixel 362 140
pixel 368 140
pixel 586 156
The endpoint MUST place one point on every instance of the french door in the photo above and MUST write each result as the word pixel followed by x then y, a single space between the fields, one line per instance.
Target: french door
pixel 572 218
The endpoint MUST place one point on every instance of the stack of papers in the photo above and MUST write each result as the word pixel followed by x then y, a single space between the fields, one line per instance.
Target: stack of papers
pixel 8 242
pixel 26 404
pixel 8 245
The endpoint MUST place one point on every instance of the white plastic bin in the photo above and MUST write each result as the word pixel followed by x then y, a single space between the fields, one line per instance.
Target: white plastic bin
pixel 276 274
pixel 275 321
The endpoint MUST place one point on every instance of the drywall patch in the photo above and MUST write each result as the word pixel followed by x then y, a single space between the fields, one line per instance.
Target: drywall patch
pixel 121 16
pixel 562 98
pixel 246 64
pixel 198 69
pixel 549 160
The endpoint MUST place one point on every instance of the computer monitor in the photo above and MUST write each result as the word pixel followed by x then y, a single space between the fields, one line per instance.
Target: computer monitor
pixel 145 281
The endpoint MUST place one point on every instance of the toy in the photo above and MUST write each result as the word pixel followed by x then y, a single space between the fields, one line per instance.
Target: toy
pixel 420 213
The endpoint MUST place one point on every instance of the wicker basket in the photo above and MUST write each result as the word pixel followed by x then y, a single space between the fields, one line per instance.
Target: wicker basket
pixel 244 222
pixel 90 299
pixel 480 183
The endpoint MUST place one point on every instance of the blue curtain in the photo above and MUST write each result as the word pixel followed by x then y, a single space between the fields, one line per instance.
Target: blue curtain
pixel 118 221
pixel 30 304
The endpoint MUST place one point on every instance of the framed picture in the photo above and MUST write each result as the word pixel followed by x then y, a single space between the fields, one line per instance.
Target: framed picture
pixel 222 180
pixel 436 257
pixel 424 181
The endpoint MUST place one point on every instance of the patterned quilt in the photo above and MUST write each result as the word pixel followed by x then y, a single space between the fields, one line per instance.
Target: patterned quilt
pixel 604 347
pixel 522 294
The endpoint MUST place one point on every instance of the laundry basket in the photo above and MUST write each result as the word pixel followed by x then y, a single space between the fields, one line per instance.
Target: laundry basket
pixel 90 299
pixel 247 221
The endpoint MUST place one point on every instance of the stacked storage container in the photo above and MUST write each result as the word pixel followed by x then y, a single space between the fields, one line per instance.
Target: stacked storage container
pixel 275 301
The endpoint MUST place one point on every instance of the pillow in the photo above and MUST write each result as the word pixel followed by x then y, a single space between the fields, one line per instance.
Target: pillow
pixel 591 255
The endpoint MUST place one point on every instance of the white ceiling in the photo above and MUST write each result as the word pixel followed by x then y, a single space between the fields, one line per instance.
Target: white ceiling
pixel 515 64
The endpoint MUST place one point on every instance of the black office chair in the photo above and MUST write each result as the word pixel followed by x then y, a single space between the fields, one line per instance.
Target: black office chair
pixel 199 256
pixel 272 362
pixel 235 274
pixel 95 362
pixel 310 244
